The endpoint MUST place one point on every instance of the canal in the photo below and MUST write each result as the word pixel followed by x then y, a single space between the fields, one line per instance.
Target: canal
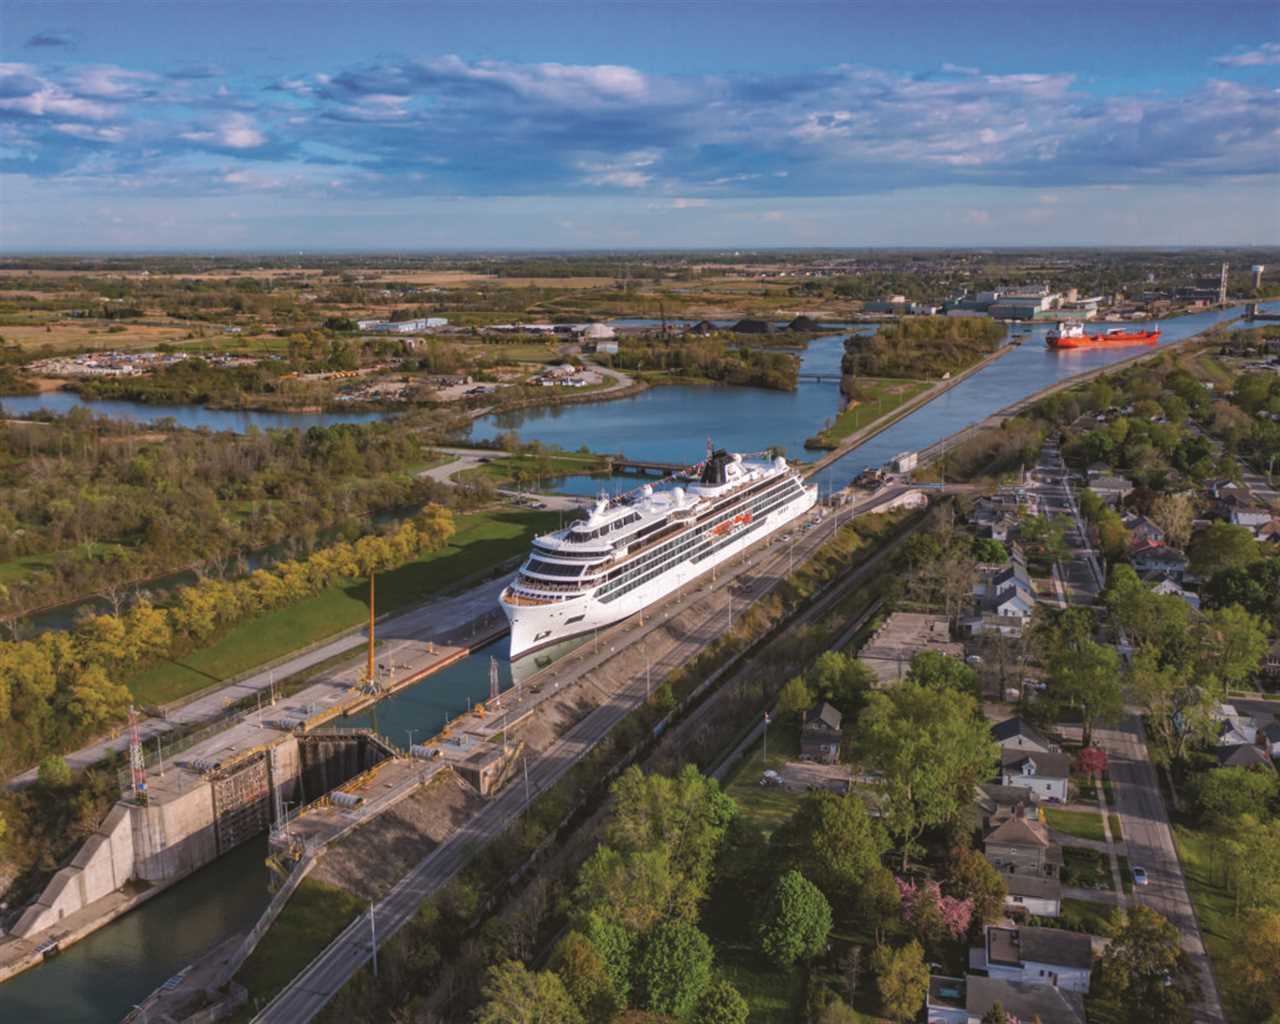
pixel 96 981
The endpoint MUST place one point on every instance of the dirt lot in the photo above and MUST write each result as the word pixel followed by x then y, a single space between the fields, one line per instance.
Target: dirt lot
pixel 83 335
pixel 811 775
pixel 375 856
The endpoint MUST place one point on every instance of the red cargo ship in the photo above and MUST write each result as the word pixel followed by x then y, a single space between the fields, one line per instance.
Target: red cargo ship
pixel 1073 335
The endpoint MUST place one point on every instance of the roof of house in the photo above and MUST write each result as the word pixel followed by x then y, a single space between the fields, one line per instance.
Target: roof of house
pixel 1017 727
pixel 1243 755
pixel 1271 731
pixel 1039 945
pixel 1024 1000
pixel 995 795
pixel 1017 831
pixel 1048 766
pixel 1037 887
pixel 1109 483
pixel 825 715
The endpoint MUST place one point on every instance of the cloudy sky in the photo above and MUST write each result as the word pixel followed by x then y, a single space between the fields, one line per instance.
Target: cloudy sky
pixel 200 124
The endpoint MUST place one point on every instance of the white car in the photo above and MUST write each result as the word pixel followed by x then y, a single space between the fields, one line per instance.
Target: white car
pixel 1139 876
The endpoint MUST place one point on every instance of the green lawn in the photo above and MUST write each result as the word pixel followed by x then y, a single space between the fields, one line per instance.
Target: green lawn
pixel 483 540
pixel 311 919
pixel 1085 869
pixel 881 395
pixel 503 471
pixel 767 806
pixel 1085 916
pixel 18 569
pixel 1215 908
pixel 1081 824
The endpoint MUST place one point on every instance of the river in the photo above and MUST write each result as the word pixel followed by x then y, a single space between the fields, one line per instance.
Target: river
pixel 97 980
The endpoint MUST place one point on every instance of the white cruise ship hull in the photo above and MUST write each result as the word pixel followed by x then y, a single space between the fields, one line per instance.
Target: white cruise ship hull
pixel 534 626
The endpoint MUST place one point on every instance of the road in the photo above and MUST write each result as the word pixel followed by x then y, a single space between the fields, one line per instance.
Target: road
pixel 1149 839
pixel 1081 573
pixel 759 571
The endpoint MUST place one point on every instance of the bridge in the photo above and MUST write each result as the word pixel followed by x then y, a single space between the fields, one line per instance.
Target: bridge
pixel 829 378
pixel 640 467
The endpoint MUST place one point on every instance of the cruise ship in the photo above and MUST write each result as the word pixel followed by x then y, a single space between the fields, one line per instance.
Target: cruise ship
pixel 633 550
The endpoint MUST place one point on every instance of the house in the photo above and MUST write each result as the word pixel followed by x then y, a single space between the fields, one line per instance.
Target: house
pixel 992 625
pixel 1040 956
pixel 1270 667
pixel 1014 733
pixel 1034 895
pixel 1022 1001
pixel 1269 739
pixel 1242 755
pixel 596 332
pixel 1143 531
pixel 1234 729
pixel 1044 775
pixel 1020 845
pixel 820 734
pixel 1159 558
pixel 1252 517
pixel 1269 534
pixel 1159 583
pixel 1111 489
pixel 1007 591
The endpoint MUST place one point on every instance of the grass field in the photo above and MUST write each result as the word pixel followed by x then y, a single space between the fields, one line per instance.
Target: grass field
pixel 503 471
pixel 767 806
pixel 881 395
pixel 1081 824
pixel 1214 906
pixel 65 336
pixel 483 540
pixel 309 921
pixel 1084 916
pixel 1085 869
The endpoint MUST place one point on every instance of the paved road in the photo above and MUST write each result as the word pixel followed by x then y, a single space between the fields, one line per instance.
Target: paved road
pixel 746 580
pixel 1150 844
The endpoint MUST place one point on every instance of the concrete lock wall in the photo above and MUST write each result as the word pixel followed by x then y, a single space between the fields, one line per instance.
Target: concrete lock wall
pixel 176 837
pixel 103 865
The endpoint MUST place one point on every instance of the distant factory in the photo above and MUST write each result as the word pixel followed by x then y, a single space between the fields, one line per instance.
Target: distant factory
pixel 402 326
pixel 1026 304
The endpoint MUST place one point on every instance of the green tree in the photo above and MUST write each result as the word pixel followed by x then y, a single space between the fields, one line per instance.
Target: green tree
pixel 1179 705
pixel 1145 969
pixel 942 672
pixel 1253 862
pixel 795 921
pixel 513 994
pixel 93 700
pixel 720 1003
pixel 972 877
pixel 617 947
pixel 1089 681
pixel 54 772
pixel 794 698
pixel 931 747
pixel 1254 963
pixel 1225 794
pixel 902 978
pixel 840 678
pixel 586 978
pixel 833 840
pixel 1232 644
pixel 673 968
pixel 1222 546
pixel 995 1015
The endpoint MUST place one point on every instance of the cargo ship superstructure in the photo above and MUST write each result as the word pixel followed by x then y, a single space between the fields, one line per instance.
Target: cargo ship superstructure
pixel 634 550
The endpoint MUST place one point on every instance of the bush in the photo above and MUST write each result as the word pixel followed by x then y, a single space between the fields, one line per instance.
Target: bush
pixel 795 922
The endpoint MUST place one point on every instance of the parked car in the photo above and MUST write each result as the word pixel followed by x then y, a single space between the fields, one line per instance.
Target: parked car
pixel 1139 876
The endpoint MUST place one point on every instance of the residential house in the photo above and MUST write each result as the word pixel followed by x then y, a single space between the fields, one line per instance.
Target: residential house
pixel 1252 517
pixel 1269 534
pixel 1143 531
pixel 1159 558
pixel 1111 489
pixel 1040 956
pixel 1007 591
pixel 1242 755
pixel 1159 583
pixel 1269 739
pixel 996 804
pixel 1022 1001
pixel 1234 729
pixel 1021 845
pixel 1270 667
pixel 1016 734
pixel 820 734
pixel 1032 895
pixel 1044 775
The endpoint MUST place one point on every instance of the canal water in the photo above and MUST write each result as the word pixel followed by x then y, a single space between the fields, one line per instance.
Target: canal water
pixel 98 980
pixel 196 417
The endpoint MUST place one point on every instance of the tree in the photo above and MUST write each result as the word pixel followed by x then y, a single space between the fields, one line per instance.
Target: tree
pixel 902 978
pixel 616 946
pixel 1225 794
pixel 586 978
pixel 1253 862
pixel 1222 546
pixel 1091 761
pixel 513 994
pixel 1173 513
pixel 94 700
pixel 931 748
pixel 795 921
pixel 995 1015
pixel 1231 644
pixel 834 841
pixel 1179 706
pixel 54 772
pixel 840 678
pixel 1254 962
pixel 673 968
pixel 934 917
pixel 721 1003
pixel 942 672
pixel 794 698
pixel 1146 970
pixel 974 878
pixel 1089 681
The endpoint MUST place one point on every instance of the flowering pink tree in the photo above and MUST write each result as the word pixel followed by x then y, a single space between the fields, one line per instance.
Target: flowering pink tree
pixel 931 914
pixel 1091 761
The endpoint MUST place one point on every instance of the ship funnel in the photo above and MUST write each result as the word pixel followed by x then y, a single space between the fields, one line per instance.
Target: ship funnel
pixel 677 496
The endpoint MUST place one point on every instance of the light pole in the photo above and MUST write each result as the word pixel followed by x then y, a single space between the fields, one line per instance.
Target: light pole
pixel 765 747
pixel 411 732
pixel 373 939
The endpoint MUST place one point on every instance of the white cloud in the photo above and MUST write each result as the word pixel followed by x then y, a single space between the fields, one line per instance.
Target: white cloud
pixel 628 171
pixel 235 131
pixel 1264 55
pixel 91 133
pixel 106 81
pixel 559 83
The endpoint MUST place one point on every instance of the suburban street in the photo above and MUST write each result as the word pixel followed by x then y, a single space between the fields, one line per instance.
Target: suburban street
pixel 1149 839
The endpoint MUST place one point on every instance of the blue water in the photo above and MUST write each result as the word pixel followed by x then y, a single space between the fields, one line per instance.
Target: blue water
pixel 193 416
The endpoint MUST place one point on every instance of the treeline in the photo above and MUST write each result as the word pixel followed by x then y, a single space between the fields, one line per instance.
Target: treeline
pixel 710 359
pixel 105 505
pixel 922 347
pixel 63 687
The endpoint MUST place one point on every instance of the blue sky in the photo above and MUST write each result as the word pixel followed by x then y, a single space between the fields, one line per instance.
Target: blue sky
pixel 291 125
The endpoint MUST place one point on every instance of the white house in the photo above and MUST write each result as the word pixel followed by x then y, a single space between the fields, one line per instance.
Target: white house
pixel 1021 1001
pixel 1044 775
pixel 1032 894
pixel 1167 587
pixel 1015 734
pixel 1040 956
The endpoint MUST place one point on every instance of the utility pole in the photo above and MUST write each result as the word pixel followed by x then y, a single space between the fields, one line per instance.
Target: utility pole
pixel 411 732
pixel 766 739
pixel 369 676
